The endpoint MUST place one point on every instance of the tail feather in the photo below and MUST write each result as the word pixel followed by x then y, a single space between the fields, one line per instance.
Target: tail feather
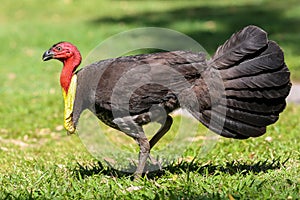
pixel 265 80
pixel 272 93
pixel 233 125
pixel 267 59
pixel 258 106
pixel 247 41
pixel 256 82
pixel 253 119
pixel 215 126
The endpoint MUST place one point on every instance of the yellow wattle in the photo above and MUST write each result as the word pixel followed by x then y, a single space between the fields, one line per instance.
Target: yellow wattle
pixel 69 98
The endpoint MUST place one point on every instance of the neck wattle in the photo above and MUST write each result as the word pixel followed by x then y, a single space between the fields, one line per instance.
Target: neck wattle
pixel 70 65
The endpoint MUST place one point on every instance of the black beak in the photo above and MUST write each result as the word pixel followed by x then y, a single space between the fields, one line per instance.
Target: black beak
pixel 48 55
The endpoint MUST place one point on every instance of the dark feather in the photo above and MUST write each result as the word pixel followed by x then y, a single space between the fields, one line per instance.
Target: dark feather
pixel 265 80
pixel 272 93
pixel 237 93
pixel 251 118
pixel 233 125
pixel 255 105
pixel 247 41
pixel 268 60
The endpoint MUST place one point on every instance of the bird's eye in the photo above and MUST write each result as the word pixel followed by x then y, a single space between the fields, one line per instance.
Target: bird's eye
pixel 58 48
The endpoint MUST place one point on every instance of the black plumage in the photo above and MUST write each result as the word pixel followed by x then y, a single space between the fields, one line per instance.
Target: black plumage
pixel 236 93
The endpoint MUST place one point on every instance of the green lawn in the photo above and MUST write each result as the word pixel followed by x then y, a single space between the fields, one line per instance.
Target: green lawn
pixel 38 159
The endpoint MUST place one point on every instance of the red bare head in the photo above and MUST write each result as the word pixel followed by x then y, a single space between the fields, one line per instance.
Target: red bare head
pixel 71 58
pixel 63 51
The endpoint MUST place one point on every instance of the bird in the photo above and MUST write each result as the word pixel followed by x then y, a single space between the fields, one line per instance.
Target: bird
pixel 237 92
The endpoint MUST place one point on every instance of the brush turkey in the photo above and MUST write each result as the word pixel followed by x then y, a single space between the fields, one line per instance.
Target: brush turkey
pixel 236 93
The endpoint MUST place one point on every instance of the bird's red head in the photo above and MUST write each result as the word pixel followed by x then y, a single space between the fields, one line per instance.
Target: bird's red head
pixel 62 51
pixel 71 58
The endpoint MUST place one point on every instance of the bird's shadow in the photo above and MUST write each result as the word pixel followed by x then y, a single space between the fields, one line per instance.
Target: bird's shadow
pixel 230 167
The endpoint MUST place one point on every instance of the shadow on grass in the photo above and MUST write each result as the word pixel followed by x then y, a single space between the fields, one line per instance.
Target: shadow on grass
pixel 231 168
pixel 212 25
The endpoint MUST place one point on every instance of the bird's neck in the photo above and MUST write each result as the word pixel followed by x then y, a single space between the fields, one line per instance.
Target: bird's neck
pixel 70 66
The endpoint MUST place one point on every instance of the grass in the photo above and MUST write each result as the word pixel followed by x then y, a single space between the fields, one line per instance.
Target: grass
pixel 38 160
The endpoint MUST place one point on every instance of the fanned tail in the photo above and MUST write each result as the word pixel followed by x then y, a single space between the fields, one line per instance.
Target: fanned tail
pixel 255 81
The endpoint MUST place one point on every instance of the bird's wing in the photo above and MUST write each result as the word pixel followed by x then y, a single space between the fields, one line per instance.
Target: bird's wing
pixel 135 83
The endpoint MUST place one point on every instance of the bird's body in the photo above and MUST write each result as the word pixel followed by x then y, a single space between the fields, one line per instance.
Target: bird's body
pixel 145 88
pixel 236 93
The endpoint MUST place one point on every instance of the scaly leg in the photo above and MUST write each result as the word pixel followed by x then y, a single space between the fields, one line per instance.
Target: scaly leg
pixel 129 126
pixel 165 126
pixel 162 131
pixel 143 154
pixel 132 129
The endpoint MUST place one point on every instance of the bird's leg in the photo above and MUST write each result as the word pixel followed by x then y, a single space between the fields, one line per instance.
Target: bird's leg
pixel 132 126
pixel 155 115
pixel 143 154
pixel 165 127
pixel 132 129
